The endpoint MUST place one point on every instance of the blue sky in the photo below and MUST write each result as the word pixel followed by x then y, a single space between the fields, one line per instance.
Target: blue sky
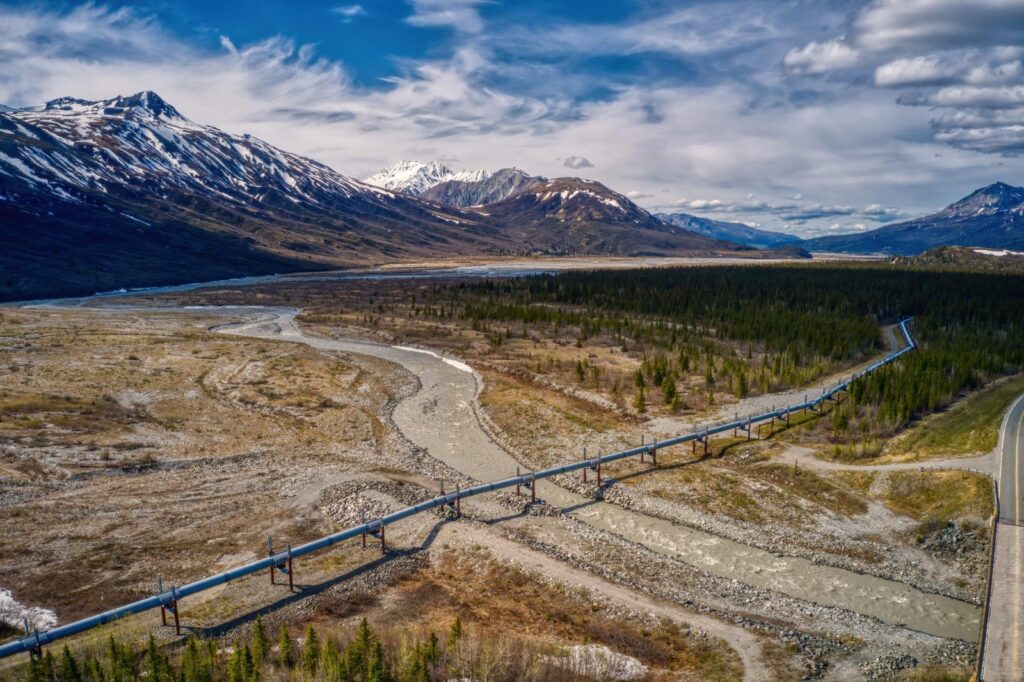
pixel 804 115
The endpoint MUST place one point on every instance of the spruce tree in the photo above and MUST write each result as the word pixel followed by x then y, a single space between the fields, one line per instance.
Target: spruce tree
pixel 285 649
pixel 260 642
pixel 310 650
pixel 68 667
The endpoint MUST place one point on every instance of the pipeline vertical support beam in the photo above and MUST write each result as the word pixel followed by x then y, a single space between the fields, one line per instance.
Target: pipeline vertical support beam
pixel 533 489
pixel 584 470
pixel 458 501
pixel 270 553
pixel 518 475
pixel 163 611
pixel 599 473
pixel 643 440
pixel 654 453
pixel 383 542
pixel 174 608
pixel 291 572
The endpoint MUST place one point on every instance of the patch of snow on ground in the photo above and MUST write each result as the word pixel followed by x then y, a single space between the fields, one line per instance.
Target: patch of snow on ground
pixel 999 253
pixel 454 363
pixel 14 613
pixel 600 663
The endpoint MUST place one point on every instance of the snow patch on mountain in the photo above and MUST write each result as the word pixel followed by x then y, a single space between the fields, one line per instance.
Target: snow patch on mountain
pixel 141 140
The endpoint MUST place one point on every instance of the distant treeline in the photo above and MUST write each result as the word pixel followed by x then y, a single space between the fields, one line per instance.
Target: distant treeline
pixel 970 325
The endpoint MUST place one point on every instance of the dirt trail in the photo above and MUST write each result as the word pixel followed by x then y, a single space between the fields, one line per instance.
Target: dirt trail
pixel 743 641
pixel 986 464
pixel 440 419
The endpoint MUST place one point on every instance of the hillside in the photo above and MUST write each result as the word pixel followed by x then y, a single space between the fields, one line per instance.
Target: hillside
pixel 128 192
pixel 966 258
pixel 498 186
pixel 733 232
pixel 991 217
pixel 571 216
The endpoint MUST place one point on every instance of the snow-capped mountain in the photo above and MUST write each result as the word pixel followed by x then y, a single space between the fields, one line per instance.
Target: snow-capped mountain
pixel 571 215
pixel 733 232
pixel 992 216
pixel 497 186
pixel 413 178
pixel 75 146
pixel 129 192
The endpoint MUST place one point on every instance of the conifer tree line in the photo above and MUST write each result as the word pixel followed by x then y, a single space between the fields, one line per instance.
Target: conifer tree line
pixel 970 326
pixel 364 657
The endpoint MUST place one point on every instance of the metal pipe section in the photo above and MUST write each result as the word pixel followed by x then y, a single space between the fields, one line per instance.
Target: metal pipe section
pixel 175 594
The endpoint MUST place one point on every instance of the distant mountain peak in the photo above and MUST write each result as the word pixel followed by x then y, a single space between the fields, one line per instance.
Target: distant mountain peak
pixel 416 177
pixel 729 231
pixel 497 186
pixel 146 102
pixel 990 217
pixel 991 199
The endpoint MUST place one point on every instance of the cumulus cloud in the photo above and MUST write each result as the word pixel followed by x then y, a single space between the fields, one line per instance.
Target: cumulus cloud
pixel 793 213
pixel 577 162
pixel 947 54
pixel 938 24
pixel 709 138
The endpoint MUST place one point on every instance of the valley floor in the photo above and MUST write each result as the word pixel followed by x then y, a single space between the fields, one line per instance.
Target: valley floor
pixel 754 558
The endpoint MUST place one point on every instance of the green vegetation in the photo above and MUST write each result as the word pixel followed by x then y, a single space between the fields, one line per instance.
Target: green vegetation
pixel 784 325
pixel 365 657
pixel 733 326
pixel 933 498
pixel 972 425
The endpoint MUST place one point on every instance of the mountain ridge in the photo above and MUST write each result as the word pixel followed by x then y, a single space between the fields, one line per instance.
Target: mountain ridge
pixel 127 192
pixel 990 216
pixel 729 231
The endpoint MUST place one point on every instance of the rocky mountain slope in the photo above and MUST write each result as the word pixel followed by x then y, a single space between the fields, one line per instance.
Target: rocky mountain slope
pixel 496 186
pixel 413 178
pixel 992 216
pixel 571 216
pixel 127 192
pixel 733 232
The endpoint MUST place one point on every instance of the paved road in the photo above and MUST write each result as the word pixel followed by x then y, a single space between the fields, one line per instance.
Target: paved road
pixel 1004 647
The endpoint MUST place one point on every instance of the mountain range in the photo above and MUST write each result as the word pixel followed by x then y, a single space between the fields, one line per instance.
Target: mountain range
pixel 733 232
pixel 992 216
pixel 473 188
pixel 128 192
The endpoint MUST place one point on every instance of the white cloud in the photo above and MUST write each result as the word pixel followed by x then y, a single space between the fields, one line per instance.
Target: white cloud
pixel 948 54
pixel 349 13
pixel 815 57
pixel 722 137
pixel 905 25
pixel 577 162
pixel 461 15
pixel 792 213
pixel 960 96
